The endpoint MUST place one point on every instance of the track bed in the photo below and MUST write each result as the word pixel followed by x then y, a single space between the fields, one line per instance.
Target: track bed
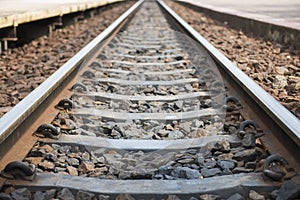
pixel 148 115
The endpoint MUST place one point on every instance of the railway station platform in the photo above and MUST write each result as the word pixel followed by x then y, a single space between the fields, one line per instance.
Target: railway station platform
pixel 19 13
pixel 14 12
pixel 276 19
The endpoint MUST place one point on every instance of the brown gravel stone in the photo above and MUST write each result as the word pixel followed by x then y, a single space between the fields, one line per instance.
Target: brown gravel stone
pixel 273 66
pixel 46 165
pixel 86 167
pixel 72 171
pixel 23 68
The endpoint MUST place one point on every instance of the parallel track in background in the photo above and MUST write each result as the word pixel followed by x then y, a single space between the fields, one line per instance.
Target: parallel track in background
pixel 150 109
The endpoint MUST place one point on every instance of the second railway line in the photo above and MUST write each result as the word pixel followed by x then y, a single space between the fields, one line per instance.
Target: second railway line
pixel 150 114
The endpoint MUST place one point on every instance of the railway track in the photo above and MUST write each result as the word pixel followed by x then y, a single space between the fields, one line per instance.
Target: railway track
pixel 149 110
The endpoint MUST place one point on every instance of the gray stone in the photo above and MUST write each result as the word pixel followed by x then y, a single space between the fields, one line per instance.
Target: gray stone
pixel 113 170
pixel 186 161
pixel 197 123
pixel 288 190
pixel 274 194
pixel 246 155
pixel 129 161
pixel 185 172
pixel 124 197
pixel 158 177
pixel 73 161
pixel 173 197
pixel 222 146
pixel 226 164
pixel 232 129
pixel 65 194
pixel 206 163
pixel 241 170
pixel 185 127
pixel 37 152
pixel 51 157
pixel 160 160
pixel 209 197
pixel 210 172
pixel 237 149
pixel 255 196
pixel 175 134
pixel 4 196
pixel 236 196
pixel 225 156
pixel 104 197
pixel 167 177
pixel 85 156
pixel 165 169
pixel 226 172
pixel 110 158
pixel 50 194
pixel 55 146
pixel 194 166
pixel 59 169
pixel 64 149
pixel 143 172
pixel 250 165
pixel 21 194
pixel 248 140
pixel 39 195
pixel 125 175
pixel 192 151
pixel 81 195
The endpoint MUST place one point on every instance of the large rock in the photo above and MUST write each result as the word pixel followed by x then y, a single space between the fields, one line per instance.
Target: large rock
pixel 166 169
pixel 255 196
pixel 209 197
pixel 21 194
pixel 175 134
pixel 81 195
pixel 236 196
pixel 185 172
pixel 249 140
pixel 226 164
pixel 65 194
pixel 222 146
pixel 206 163
pixel 279 82
pixel 246 155
pixel 210 172
pixel 86 167
pixel 288 190
pixel 72 171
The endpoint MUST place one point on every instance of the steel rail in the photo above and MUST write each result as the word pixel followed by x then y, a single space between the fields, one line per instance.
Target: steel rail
pixel 283 117
pixel 11 120
pixel 228 184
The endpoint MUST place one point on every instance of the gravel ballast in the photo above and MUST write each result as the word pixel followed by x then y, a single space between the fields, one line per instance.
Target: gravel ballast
pixel 23 68
pixel 275 67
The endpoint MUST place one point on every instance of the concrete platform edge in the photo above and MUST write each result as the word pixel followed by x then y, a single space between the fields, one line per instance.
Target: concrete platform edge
pixel 20 18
